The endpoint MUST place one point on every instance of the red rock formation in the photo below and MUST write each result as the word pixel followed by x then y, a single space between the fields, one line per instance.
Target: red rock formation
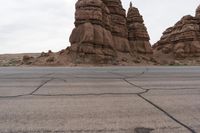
pixel 137 32
pixel 118 25
pixel 183 39
pixel 101 37
pixel 91 40
pixel 198 12
pixel 101 33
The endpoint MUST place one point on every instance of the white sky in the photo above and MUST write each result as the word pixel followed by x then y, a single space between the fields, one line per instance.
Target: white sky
pixel 40 25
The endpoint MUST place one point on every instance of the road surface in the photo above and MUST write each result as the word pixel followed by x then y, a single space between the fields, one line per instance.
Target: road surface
pixel 100 100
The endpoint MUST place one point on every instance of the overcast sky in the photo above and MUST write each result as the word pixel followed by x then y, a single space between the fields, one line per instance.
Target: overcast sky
pixel 40 25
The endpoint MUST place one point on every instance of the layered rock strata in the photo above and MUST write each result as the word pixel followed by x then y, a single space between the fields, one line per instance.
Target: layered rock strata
pixel 118 25
pixel 91 40
pixel 102 34
pixel 183 39
pixel 137 32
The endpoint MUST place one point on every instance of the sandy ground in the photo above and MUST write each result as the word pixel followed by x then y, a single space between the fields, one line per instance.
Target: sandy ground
pixel 14 59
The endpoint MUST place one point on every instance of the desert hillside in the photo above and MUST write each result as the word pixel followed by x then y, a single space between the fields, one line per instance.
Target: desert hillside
pixel 14 59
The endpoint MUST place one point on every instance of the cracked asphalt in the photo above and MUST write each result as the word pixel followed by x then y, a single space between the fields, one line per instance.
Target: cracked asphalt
pixel 100 100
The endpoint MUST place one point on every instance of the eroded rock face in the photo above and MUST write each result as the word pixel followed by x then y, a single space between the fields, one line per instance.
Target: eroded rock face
pixel 137 32
pixel 197 12
pixel 118 25
pixel 183 39
pixel 91 40
pixel 101 34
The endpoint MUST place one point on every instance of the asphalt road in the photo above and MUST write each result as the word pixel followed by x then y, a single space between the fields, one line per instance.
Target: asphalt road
pixel 100 100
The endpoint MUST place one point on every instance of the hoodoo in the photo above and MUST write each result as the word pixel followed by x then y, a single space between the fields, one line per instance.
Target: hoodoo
pixel 137 32
pixel 91 40
pixel 118 25
pixel 103 33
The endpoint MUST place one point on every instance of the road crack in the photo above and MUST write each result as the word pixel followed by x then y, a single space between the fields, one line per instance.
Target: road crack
pixel 156 106
pixel 28 94
pixel 167 114
pixel 87 94
pixel 40 86
pixel 122 77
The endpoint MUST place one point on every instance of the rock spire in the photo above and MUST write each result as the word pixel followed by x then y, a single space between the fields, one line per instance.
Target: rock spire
pixel 91 39
pixel 103 33
pixel 137 32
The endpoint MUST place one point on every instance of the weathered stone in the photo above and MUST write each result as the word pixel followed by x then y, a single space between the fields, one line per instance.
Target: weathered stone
pixel 116 9
pixel 103 32
pixel 92 39
pixel 137 32
pixel 183 39
pixel 118 25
